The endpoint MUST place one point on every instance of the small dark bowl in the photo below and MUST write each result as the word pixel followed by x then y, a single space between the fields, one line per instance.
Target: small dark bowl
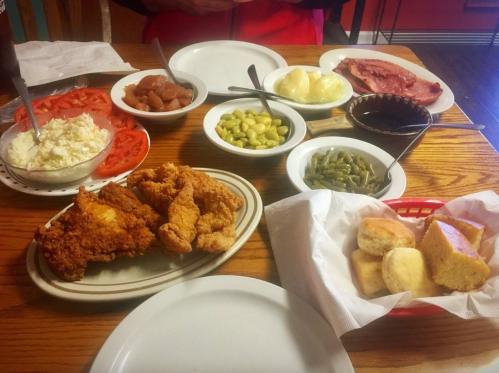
pixel 395 111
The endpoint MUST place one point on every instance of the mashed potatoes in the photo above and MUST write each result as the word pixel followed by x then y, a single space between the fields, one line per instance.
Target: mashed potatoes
pixel 63 142
pixel 310 87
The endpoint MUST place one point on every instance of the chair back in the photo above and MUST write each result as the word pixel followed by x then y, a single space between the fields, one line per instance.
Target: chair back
pixel 72 20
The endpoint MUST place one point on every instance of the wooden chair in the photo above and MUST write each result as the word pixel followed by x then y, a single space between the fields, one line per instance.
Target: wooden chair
pixel 73 20
pixel 334 32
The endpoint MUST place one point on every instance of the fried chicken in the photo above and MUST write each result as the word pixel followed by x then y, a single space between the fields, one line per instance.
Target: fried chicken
pixel 92 230
pixel 180 230
pixel 127 201
pixel 217 205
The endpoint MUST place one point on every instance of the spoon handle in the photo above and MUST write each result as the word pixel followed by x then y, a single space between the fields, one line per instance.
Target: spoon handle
pixel 408 146
pixel 249 90
pixel 476 127
pixel 254 78
pixel 22 89
pixel 159 52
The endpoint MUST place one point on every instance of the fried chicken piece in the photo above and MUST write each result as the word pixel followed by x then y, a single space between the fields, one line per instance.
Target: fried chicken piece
pixel 180 230
pixel 127 201
pixel 217 204
pixel 221 240
pixel 92 230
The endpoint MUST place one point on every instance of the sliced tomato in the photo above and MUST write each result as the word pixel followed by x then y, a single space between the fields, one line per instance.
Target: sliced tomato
pixel 129 149
pixel 40 106
pixel 90 99
pixel 121 120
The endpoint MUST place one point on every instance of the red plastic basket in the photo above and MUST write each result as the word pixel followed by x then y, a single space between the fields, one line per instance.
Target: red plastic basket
pixel 414 208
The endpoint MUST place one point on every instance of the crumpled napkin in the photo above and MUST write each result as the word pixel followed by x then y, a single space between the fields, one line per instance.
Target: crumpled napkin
pixel 43 62
pixel 313 234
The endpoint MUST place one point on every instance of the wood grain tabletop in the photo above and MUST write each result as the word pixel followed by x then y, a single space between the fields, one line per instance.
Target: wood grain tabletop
pixel 41 333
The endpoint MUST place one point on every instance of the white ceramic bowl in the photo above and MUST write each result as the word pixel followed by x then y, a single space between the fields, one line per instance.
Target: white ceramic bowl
pixel 299 161
pixel 62 175
pixel 298 130
pixel 270 80
pixel 118 92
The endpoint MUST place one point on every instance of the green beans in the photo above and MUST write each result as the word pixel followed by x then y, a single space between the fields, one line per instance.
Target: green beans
pixel 342 172
pixel 250 130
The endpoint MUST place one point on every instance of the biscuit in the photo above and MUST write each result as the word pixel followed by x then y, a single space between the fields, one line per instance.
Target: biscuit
pixel 368 270
pixel 377 236
pixel 453 262
pixel 404 269
pixel 471 230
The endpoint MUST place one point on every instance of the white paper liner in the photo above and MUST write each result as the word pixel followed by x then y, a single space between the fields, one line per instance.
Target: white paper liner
pixel 43 61
pixel 313 234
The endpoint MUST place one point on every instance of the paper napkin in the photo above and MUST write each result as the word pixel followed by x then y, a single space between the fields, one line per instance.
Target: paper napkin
pixel 43 62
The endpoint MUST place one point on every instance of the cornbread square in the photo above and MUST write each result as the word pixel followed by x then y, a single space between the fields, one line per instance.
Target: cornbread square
pixel 368 270
pixel 453 262
pixel 377 236
pixel 471 230
pixel 404 269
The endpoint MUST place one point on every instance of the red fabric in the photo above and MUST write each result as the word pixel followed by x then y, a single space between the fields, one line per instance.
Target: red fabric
pixel 258 21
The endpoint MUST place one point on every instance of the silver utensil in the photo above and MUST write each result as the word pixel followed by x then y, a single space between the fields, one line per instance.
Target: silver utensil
pixel 159 52
pixel 340 123
pixel 476 127
pixel 271 94
pixel 256 82
pixel 387 180
pixel 22 89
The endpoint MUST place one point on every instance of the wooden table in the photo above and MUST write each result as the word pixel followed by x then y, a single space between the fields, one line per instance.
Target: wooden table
pixel 39 333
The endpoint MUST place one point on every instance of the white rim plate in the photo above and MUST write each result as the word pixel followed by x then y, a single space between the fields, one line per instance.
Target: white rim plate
pixel 270 80
pixel 223 324
pixel 331 59
pixel 299 160
pixel 126 278
pixel 91 183
pixel 221 64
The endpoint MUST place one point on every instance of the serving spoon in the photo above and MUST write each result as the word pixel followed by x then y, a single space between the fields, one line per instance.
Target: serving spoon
pixel 340 123
pixel 256 82
pixel 387 180
pixel 22 89
pixel 159 52
pixel 271 94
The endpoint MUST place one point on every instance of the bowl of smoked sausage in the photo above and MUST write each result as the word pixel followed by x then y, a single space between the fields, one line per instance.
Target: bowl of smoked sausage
pixel 152 95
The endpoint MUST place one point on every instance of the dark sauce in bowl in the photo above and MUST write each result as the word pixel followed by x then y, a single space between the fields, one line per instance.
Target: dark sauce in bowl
pixel 385 121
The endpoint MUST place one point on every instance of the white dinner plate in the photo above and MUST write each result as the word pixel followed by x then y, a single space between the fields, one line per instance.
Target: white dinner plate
pixel 223 324
pixel 299 161
pixel 92 182
pixel 126 278
pixel 224 63
pixel 332 58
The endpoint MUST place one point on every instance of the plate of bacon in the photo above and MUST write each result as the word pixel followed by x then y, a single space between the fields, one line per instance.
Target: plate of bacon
pixel 376 72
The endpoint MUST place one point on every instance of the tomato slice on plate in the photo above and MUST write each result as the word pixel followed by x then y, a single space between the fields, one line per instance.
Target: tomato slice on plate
pixel 40 106
pixel 121 120
pixel 89 99
pixel 129 149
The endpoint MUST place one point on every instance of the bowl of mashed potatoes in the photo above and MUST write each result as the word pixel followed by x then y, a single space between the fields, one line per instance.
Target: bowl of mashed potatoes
pixel 72 145
pixel 316 89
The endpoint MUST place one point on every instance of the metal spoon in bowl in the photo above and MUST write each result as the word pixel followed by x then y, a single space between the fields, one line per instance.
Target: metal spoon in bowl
pixel 159 52
pixel 476 127
pixel 271 94
pixel 22 89
pixel 387 181
pixel 256 82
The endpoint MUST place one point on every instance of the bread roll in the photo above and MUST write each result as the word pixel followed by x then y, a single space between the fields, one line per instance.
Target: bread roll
pixel 368 270
pixel 377 236
pixel 404 269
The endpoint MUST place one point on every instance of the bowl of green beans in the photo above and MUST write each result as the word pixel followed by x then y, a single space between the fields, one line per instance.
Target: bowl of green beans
pixel 343 165
pixel 243 127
